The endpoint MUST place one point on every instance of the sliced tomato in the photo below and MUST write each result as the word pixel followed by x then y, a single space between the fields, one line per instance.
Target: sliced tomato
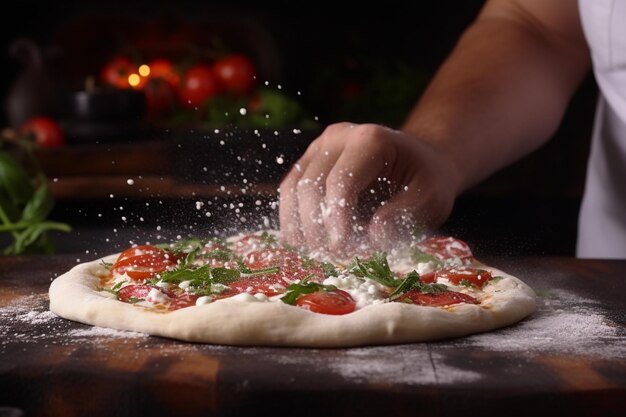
pixel 445 248
pixel 143 262
pixel 429 278
pixel 475 276
pixel 437 299
pixel 135 291
pixel 335 302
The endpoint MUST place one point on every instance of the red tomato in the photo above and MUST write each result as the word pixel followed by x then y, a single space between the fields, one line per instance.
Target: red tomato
pixel 143 262
pixel 46 131
pixel 328 302
pixel 478 277
pixel 236 73
pixel 445 248
pixel 437 299
pixel 164 69
pixel 198 85
pixel 135 291
pixel 116 71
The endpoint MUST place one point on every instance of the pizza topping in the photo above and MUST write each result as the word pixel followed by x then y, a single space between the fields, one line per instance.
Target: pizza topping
pixel 143 262
pixel 375 268
pixel 437 299
pixel 466 276
pixel 257 268
pixel 413 283
pixel 336 302
pixel 446 249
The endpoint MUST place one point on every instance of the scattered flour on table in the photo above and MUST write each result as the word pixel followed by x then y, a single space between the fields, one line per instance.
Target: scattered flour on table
pixel 104 332
pixel 563 323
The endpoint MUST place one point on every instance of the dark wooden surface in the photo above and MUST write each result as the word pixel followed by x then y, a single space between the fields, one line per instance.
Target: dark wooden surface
pixel 568 358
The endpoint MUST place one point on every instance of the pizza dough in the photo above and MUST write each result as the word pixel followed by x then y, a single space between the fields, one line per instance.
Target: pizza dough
pixel 76 295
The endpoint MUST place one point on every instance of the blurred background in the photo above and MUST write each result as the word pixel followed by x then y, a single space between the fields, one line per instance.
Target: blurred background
pixel 153 125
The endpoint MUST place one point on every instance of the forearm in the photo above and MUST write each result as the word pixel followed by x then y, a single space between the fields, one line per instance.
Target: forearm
pixel 500 94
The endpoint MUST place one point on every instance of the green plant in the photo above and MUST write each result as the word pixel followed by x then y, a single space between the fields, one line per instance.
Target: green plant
pixel 25 204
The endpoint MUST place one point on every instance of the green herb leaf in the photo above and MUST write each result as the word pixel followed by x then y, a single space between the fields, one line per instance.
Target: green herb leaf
pixel 411 282
pixel 294 291
pixel 375 268
pixel 420 257
pixel 329 270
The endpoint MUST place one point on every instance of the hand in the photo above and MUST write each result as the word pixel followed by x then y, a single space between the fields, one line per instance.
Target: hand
pixel 369 181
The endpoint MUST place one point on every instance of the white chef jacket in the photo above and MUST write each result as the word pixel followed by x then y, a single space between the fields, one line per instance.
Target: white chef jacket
pixel 602 219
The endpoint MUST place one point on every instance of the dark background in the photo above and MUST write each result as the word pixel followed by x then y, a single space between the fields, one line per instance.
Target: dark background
pixel 323 53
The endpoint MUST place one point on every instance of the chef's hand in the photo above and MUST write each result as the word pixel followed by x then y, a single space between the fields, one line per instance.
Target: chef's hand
pixel 366 180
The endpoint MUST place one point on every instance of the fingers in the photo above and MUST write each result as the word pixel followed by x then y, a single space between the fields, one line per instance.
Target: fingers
pixel 361 163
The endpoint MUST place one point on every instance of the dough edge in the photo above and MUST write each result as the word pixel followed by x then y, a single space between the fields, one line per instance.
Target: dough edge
pixel 74 296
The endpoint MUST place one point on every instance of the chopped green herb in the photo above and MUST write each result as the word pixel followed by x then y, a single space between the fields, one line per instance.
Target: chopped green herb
pixel 106 265
pixel 329 270
pixel 375 268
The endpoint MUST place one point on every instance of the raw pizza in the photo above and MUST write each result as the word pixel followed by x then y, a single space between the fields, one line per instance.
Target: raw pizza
pixel 250 289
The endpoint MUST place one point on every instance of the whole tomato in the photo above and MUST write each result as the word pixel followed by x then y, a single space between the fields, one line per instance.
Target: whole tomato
pixel 162 68
pixel 236 73
pixel 197 85
pixel 46 131
pixel 116 71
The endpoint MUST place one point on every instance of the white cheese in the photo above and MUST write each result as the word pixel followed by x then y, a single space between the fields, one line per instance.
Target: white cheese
pixel 364 291
pixel 155 296
pixel 205 299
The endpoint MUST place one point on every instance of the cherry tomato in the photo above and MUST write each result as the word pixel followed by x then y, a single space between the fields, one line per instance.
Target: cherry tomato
pixel 478 277
pixel 164 69
pixel 116 71
pixel 445 248
pixel 327 302
pixel 198 85
pixel 437 299
pixel 236 73
pixel 135 291
pixel 46 131
pixel 143 262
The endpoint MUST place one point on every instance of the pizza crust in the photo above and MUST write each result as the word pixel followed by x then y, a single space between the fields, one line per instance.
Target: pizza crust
pixel 75 296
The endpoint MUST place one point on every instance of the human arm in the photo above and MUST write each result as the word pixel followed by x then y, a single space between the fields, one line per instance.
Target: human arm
pixel 500 94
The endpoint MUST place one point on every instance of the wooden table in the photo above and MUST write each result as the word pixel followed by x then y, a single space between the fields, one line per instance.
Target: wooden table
pixel 567 359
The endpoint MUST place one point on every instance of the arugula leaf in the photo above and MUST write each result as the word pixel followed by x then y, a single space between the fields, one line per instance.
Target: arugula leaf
pixel 295 290
pixel 420 257
pixel 375 268
pixel 329 270
pixel 411 282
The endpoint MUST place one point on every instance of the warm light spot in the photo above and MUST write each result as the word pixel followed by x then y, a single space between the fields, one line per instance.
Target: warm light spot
pixel 144 70
pixel 134 80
